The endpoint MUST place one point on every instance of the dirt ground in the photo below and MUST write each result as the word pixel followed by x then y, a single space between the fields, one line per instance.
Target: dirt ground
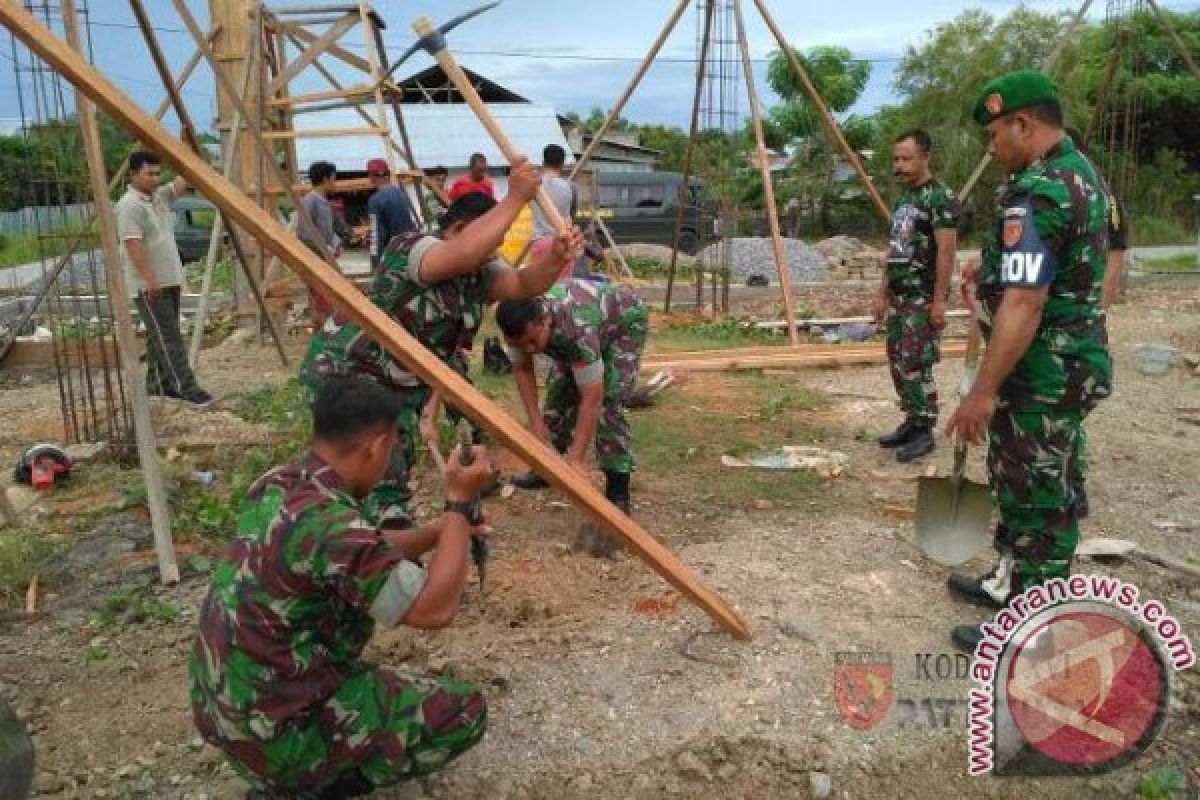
pixel 601 681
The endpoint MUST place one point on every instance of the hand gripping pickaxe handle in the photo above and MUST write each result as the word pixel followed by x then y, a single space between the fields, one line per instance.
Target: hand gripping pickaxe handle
pixel 433 41
pixel 479 548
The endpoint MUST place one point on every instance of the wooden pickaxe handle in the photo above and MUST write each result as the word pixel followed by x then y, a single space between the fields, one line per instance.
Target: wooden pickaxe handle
pixel 424 29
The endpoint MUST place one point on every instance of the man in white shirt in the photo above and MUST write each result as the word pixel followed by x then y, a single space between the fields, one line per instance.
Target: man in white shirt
pixel 154 275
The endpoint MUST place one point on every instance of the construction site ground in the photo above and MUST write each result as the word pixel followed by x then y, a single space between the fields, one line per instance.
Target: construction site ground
pixel 601 681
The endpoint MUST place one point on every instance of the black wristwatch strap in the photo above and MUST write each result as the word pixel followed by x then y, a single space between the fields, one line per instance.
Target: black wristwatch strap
pixel 468 508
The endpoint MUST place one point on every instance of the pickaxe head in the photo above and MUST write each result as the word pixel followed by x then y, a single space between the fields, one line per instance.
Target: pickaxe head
pixel 436 40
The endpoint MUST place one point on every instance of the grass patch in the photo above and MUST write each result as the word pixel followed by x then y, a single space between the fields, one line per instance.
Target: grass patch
pixel 1184 262
pixel 721 334
pixel 27 248
pixel 23 554
pixel 222 275
pixel 130 606
pixel 281 407
pixel 678 440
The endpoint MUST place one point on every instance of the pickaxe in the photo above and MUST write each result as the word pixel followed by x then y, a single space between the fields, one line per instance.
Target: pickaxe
pixel 433 41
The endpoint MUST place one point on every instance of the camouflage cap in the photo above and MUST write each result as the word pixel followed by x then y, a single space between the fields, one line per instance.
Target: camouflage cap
pixel 1012 92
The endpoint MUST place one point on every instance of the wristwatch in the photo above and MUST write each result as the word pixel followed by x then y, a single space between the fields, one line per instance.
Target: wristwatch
pixel 468 508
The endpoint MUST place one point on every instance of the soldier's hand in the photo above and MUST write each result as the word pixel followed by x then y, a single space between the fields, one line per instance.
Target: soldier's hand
pixel 879 306
pixel 970 420
pixel 970 271
pixel 523 180
pixel 937 314
pixel 463 481
pixel 568 246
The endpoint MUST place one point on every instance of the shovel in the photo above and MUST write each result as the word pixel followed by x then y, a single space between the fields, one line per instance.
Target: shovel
pixel 954 514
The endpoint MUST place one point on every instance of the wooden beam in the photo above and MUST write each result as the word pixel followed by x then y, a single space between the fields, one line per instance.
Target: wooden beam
pixel 843 358
pixel 156 492
pixel 311 53
pixel 340 53
pixel 781 262
pixel 831 125
pixel 1180 45
pixel 958 313
pixel 638 74
pixel 374 321
pixel 324 133
pixel 358 90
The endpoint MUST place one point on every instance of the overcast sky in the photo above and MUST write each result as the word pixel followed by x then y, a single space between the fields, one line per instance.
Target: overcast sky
pixel 572 60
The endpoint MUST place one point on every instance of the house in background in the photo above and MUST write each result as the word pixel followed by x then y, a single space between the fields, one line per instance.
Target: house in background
pixel 618 151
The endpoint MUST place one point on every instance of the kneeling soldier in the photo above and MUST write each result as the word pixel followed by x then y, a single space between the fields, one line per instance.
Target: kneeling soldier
pixel 275 679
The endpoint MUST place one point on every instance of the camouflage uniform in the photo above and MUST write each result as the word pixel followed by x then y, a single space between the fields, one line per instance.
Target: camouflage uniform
pixel 1050 230
pixel 912 339
pixel 443 316
pixel 599 332
pixel 275 679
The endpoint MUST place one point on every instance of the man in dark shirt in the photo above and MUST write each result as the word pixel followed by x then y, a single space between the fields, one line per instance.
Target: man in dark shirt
pixel 388 210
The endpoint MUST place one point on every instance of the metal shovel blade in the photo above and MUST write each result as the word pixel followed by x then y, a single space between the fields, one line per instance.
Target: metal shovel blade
pixel 953 519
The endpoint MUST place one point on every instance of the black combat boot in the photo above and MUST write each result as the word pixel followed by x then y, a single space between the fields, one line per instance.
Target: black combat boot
pixel 920 443
pixel 900 436
pixel 991 590
pixel 616 489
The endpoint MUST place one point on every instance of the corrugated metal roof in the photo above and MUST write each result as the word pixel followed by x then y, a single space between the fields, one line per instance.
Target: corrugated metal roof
pixel 445 134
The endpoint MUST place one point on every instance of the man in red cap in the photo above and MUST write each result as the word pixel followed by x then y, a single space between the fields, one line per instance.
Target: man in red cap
pixel 388 209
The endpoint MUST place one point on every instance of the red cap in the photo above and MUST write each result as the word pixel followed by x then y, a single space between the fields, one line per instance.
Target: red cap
pixel 378 166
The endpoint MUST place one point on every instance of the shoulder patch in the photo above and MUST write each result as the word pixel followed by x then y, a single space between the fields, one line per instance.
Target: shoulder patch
pixel 1026 261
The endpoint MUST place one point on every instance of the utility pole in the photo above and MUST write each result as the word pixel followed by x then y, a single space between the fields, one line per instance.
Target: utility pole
pixel 235 21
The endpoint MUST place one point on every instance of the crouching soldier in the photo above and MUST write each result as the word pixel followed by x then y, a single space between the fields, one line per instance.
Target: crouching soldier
pixel 275 679
pixel 595 334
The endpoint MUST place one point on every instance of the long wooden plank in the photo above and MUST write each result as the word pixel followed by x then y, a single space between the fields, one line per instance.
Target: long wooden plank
pixel 156 493
pixel 324 133
pixel 957 313
pixel 358 90
pixel 374 321
pixel 798 361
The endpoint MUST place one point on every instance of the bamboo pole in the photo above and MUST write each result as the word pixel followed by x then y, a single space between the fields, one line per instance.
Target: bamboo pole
pixel 377 324
pixel 228 169
pixel 1049 66
pixel 764 165
pixel 638 74
pixel 684 187
pixel 156 493
pixel 1180 45
pixel 831 125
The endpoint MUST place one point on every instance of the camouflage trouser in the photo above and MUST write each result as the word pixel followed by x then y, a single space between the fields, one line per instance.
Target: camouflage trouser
pixel 912 349
pixel 167 367
pixel 387 504
pixel 386 726
pixel 614 437
pixel 1037 469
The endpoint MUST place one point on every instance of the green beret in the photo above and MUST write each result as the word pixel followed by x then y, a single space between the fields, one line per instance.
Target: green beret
pixel 1012 92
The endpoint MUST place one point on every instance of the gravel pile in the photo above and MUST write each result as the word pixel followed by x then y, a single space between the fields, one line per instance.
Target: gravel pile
pixel 753 256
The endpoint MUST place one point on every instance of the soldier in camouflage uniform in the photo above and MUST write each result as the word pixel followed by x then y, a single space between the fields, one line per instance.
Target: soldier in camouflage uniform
pixel 916 279
pixel 437 288
pixel 594 332
pixel 275 678
pixel 1047 363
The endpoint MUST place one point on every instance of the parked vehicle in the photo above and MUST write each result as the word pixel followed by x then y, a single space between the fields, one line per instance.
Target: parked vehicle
pixel 641 207
pixel 194 220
